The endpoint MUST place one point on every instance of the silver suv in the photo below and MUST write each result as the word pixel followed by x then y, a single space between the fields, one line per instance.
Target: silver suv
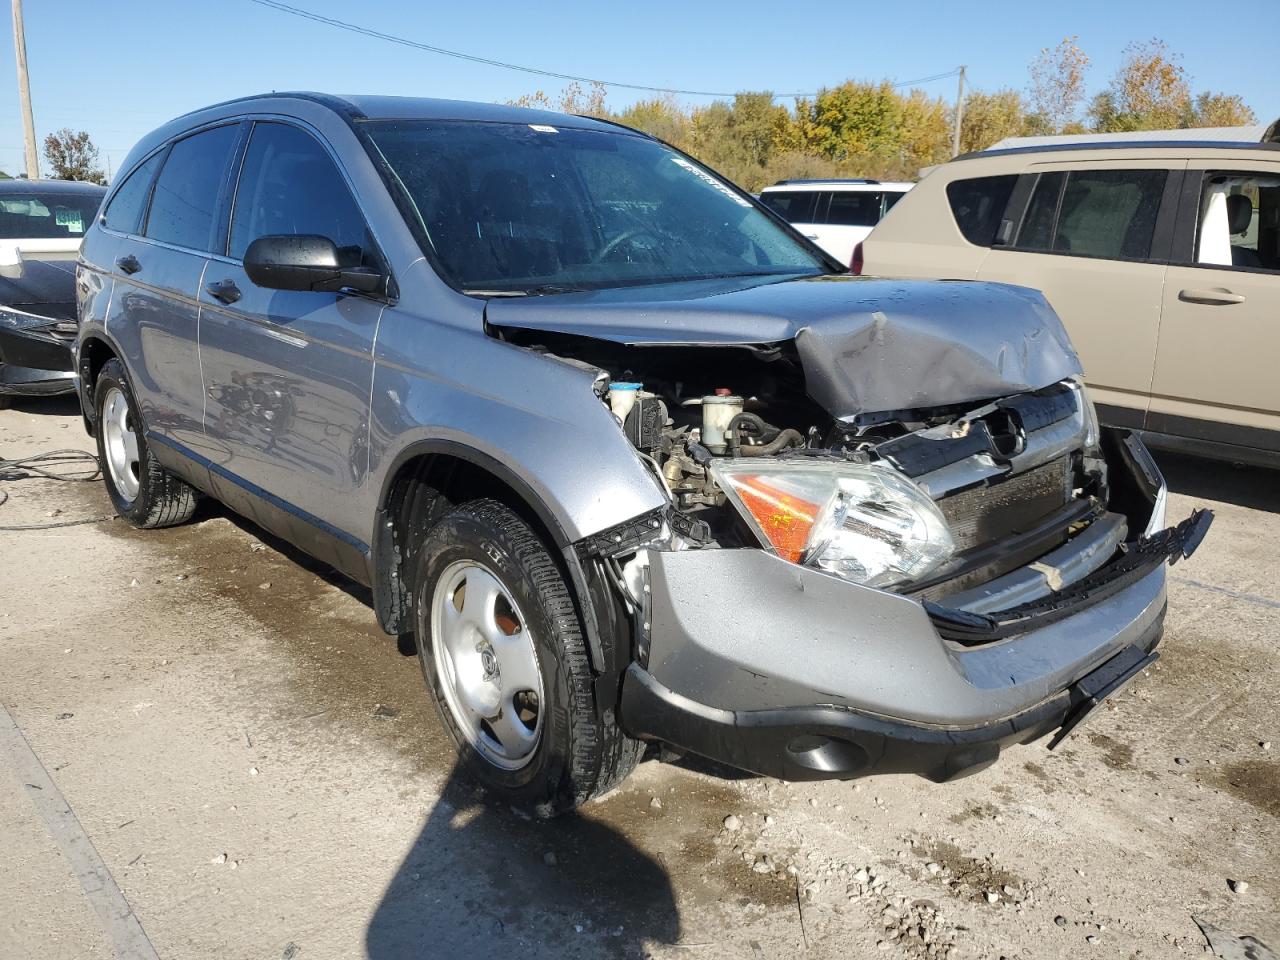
pixel 625 454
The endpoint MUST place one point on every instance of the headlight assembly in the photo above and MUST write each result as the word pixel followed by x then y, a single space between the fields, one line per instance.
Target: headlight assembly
pixel 863 522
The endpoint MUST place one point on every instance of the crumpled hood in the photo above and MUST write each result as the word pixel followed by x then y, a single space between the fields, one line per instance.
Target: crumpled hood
pixel 865 345
pixel 46 288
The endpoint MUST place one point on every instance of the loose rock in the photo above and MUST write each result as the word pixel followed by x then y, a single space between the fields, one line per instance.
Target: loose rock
pixel 1181 761
pixel 992 896
pixel 1060 921
pixel 1238 886
pixel 733 823
pixel 655 803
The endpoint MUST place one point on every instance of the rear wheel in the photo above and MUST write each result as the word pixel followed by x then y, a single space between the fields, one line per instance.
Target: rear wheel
pixel 142 491
pixel 503 654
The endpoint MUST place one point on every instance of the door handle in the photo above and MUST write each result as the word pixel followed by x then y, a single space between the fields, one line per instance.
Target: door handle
pixel 128 263
pixel 1214 295
pixel 224 291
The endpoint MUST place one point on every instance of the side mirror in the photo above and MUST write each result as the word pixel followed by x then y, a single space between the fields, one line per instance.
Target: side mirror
pixel 11 265
pixel 305 262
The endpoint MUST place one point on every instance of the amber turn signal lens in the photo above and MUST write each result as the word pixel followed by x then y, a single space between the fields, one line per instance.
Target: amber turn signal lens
pixel 787 520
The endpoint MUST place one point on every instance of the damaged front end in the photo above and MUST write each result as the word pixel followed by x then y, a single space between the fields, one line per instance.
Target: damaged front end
pixel 834 591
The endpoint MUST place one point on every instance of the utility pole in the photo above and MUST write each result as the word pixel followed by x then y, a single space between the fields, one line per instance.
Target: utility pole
pixel 955 135
pixel 24 91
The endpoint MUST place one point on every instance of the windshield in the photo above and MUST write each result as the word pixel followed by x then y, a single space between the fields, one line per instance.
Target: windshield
pixel 529 208
pixel 37 215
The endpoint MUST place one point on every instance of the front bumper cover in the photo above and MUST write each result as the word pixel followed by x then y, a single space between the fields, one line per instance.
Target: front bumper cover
pixel 886 693
pixel 34 362
pixel 825 742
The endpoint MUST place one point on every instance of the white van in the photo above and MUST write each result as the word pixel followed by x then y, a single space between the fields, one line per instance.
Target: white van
pixel 835 214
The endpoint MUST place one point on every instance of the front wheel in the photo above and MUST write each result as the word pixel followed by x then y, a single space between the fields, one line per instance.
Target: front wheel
pixel 503 655
pixel 142 491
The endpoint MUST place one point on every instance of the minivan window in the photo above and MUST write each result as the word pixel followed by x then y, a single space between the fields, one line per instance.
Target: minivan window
pixel 184 204
pixel 1097 213
pixel 124 212
pixel 794 206
pixel 521 208
pixel 1239 222
pixel 289 185
pixel 859 208
pixel 978 204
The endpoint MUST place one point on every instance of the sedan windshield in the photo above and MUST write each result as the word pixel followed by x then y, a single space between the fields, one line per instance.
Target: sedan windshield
pixel 51 215
pixel 531 208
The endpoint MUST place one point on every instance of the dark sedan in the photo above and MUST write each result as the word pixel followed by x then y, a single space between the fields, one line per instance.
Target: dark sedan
pixel 41 223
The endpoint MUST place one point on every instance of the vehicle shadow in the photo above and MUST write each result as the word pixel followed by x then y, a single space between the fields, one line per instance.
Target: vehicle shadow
pixel 483 881
pixel 1245 486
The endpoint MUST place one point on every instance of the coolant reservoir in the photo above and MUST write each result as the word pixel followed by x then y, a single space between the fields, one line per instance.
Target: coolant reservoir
pixel 717 413
pixel 622 397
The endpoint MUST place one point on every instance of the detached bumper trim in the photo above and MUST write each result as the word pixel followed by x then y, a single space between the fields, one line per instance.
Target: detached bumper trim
pixel 1136 562
pixel 825 742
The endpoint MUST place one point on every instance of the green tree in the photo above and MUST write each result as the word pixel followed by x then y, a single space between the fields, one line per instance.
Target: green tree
pixel 72 156
pixel 1149 92
pixel 990 117
pixel 1221 110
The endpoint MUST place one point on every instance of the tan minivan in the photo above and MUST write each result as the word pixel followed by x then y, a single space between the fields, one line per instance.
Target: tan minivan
pixel 1162 257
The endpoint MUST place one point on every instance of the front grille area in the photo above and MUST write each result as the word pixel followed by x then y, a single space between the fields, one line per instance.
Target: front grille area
pixel 984 515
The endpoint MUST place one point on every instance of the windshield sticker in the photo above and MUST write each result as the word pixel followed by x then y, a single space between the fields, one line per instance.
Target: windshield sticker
pixel 710 181
pixel 542 128
pixel 70 218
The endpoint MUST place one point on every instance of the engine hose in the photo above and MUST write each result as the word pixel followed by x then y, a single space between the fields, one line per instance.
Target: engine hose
pixel 757 429
pixel 787 438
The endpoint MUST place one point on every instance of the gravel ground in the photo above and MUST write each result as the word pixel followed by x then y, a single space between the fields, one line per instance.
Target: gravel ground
pixel 261 774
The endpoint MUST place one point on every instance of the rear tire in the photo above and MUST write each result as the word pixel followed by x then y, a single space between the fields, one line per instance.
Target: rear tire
pixel 142 491
pixel 515 691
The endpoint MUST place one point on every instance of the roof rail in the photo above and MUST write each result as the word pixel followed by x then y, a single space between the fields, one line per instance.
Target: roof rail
pixel 781 183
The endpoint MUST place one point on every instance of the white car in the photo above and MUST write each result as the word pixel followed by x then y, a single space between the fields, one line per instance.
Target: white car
pixel 837 215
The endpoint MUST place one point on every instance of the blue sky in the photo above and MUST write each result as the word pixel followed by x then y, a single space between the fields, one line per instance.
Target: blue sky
pixel 121 68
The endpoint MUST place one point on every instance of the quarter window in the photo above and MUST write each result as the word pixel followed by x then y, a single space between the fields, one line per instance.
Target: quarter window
pixel 978 205
pixel 1094 213
pixel 1239 222
pixel 289 185
pixel 124 212
pixel 184 205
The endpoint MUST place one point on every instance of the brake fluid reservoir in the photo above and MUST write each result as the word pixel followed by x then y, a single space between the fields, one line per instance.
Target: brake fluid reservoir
pixel 622 397
pixel 717 413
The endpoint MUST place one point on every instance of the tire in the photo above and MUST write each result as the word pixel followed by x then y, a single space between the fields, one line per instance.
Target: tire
pixel 578 752
pixel 142 491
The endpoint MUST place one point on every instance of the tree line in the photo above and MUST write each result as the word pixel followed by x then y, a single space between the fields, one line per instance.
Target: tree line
pixel 861 129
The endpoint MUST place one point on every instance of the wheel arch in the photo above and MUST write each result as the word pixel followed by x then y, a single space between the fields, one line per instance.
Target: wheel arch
pixel 92 355
pixel 425 480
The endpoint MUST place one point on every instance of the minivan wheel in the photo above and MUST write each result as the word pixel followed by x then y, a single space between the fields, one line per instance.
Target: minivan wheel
pixel 503 655
pixel 142 491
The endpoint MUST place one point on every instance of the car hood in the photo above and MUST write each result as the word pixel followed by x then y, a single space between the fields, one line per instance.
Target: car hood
pixel 865 345
pixel 46 288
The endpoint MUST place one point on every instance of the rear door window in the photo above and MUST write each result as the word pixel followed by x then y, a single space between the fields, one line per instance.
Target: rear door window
pixel 290 185
pixel 1094 213
pixel 1239 223
pixel 850 208
pixel 794 206
pixel 978 205
pixel 185 202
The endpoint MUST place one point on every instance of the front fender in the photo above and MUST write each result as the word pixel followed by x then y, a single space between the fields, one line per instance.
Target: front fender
pixel 532 419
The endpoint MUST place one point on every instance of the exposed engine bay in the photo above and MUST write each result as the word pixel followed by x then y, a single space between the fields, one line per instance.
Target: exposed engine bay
pixel 940 502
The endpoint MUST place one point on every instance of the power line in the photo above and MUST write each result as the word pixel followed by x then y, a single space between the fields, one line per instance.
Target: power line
pixel 473 58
